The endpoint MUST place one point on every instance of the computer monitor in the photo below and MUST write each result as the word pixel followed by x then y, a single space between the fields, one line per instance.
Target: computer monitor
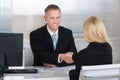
pixel 11 48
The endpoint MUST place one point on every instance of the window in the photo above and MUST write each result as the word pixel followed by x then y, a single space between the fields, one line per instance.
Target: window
pixel 26 15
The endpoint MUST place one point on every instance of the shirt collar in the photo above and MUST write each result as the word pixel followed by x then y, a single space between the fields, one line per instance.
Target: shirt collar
pixel 52 33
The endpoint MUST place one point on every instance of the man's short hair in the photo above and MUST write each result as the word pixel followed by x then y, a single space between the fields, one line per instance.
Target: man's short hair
pixel 52 7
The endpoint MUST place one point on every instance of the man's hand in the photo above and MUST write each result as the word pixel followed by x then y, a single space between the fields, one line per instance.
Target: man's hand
pixel 48 65
pixel 67 57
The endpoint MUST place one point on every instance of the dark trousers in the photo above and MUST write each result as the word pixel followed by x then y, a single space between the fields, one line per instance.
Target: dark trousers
pixel 74 75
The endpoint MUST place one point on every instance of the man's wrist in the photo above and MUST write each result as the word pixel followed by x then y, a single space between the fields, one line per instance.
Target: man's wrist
pixel 59 59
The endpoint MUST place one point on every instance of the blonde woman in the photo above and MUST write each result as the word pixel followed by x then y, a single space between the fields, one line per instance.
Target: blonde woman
pixel 99 50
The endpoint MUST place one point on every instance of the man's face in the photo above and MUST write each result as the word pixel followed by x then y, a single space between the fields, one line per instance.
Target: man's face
pixel 53 19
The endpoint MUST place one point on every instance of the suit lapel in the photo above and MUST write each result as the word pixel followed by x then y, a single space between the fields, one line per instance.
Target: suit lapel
pixel 59 38
pixel 48 38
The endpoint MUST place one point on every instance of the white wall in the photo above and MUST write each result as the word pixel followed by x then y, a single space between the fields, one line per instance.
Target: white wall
pixel 73 15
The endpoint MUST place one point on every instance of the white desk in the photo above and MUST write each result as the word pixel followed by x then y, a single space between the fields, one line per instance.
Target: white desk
pixel 60 73
pixel 44 73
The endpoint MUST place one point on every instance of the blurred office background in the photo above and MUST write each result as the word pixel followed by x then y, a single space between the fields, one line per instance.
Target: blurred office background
pixel 23 16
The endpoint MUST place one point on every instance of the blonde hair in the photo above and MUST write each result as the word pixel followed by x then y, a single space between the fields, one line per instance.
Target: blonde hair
pixel 94 30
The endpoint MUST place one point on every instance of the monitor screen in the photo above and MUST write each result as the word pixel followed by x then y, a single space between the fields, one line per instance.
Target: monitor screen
pixel 11 46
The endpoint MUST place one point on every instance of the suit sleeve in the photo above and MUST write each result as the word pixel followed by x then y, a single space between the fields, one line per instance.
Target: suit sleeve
pixel 72 47
pixel 39 52
pixel 78 58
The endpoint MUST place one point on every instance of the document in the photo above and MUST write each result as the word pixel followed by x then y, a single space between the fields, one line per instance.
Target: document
pixel 66 68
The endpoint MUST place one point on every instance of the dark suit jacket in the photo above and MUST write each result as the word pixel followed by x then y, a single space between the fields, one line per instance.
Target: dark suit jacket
pixel 94 54
pixel 42 46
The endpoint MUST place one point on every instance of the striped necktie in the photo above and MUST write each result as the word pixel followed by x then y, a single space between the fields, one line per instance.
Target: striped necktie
pixel 54 39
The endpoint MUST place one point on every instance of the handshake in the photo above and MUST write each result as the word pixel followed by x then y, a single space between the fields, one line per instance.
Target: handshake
pixel 67 57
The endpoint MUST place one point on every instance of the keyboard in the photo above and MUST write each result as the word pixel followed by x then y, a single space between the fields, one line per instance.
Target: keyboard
pixel 21 71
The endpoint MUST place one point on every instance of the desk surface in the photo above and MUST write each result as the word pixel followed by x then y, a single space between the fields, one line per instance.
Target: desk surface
pixel 44 73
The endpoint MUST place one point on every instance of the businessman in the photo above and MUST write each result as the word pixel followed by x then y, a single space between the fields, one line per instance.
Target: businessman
pixel 52 44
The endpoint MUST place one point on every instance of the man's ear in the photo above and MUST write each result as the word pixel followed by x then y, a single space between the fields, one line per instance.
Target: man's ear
pixel 45 19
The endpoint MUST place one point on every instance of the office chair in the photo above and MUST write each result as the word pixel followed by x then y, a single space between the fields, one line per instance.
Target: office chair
pixel 100 71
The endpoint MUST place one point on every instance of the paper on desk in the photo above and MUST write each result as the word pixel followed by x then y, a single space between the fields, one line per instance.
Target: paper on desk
pixel 52 78
pixel 40 68
pixel 54 69
pixel 13 78
pixel 65 68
